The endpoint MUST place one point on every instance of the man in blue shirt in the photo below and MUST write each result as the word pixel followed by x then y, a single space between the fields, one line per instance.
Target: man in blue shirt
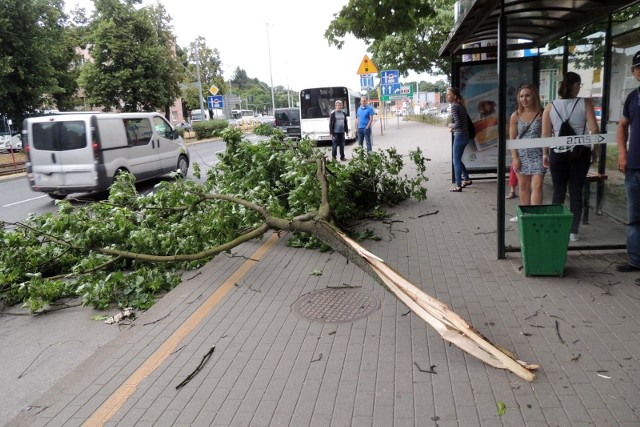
pixel 629 164
pixel 365 120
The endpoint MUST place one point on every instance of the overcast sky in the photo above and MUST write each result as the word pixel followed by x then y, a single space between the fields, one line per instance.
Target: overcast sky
pixel 300 55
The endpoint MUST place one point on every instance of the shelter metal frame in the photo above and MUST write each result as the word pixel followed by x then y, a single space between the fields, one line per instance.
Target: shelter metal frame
pixel 539 21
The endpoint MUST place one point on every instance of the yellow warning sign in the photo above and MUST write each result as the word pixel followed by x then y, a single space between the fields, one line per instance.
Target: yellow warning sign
pixel 367 67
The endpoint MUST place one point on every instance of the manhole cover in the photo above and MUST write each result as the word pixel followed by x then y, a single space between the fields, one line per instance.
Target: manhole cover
pixel 336 305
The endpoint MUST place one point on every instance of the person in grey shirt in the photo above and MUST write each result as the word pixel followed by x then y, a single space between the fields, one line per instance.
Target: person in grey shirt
pixel 338 127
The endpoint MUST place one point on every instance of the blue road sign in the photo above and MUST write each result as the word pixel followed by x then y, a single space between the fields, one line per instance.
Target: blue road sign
pixel 390 77
pixel 366 81
pixel 215 101
pixel 390 89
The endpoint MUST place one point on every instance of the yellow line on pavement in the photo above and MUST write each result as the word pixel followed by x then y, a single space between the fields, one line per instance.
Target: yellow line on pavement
pixel 109 408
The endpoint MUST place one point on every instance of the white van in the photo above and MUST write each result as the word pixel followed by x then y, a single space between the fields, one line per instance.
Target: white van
pixel 82 153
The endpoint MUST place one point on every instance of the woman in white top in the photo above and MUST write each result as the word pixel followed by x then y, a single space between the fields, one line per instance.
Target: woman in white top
pixel 569 164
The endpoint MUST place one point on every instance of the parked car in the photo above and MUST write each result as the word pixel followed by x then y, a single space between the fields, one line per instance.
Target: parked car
pixel 14 143
pixel 184 125
pixel 288 121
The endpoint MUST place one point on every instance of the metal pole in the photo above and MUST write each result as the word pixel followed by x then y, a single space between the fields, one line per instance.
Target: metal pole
pixel 604 112
pixel 273 97
pixel 199 83
pixel 502 126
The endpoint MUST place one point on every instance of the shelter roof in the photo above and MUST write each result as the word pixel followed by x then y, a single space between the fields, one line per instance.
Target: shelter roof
pixel 539 21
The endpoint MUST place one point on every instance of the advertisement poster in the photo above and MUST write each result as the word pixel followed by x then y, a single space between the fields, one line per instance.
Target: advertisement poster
pixel 479 86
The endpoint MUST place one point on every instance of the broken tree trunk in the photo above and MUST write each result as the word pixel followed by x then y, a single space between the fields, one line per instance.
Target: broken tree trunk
pixel 448 324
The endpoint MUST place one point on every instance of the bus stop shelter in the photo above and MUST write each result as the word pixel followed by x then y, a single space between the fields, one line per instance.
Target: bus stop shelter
pixel 521 25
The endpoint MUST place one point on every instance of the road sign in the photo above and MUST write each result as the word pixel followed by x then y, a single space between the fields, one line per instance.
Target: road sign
pixel 233 100
pixel 367 67
pixel 213 89
pixel 390 76
pixel 390 89
pixel 215 101
pixel 366 82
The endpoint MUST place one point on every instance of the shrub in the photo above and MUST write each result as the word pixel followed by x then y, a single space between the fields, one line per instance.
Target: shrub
pixel 264 129
pixel 209 128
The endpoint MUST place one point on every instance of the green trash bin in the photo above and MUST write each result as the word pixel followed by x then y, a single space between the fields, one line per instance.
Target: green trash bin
pixel 544 238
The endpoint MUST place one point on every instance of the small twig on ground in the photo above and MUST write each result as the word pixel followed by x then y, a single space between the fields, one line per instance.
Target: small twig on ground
pixel 343 286
pixel 558 331
pixel 318 359
pixel 428 213
pixel 204 360
pixel 233 255
pixel 431 370
pixel 533 315
pixel 177 350
pixel 194 276
pixel 484 232
pixel 156 321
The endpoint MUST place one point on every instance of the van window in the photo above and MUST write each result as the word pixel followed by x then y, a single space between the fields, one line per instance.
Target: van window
pixel 138 131
pixel 163 129
pixel 60 136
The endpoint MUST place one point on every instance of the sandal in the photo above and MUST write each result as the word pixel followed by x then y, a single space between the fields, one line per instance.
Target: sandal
pixel 466 183
pixel 511 195
pixel 456 189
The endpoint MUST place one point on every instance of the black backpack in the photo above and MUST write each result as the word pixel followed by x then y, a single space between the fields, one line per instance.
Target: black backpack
pixel 471 127
pixel 565 127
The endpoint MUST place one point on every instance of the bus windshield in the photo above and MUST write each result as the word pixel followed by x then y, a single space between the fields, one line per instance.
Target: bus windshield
pixel 318 103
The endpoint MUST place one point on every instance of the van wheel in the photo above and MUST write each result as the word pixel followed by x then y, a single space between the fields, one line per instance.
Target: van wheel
pixel 183 165
pixel 57 196
pixel 118 172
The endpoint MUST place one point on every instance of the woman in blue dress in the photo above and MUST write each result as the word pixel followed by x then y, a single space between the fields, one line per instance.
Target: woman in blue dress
pixel 526 122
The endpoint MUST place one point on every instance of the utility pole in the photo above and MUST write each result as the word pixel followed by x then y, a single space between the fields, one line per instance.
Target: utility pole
pixel 202 111
pixel 273 97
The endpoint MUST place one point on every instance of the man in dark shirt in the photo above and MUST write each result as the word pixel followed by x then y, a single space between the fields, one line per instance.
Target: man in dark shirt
pixel 629 164
pixel 338 127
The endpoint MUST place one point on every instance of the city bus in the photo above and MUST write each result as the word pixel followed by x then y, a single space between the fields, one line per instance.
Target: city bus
pixel 316 105
pixel 243 116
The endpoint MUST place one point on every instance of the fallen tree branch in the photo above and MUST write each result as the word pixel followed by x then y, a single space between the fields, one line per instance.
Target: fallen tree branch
pixel 204 360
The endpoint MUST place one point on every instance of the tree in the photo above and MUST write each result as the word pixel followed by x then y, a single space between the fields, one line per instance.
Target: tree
pixel 36 53
pixel 132 245
pixel 210 72
pixel 132 67
pixel 404 35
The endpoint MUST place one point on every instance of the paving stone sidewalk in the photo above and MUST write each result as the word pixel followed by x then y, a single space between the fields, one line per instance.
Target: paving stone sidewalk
pixel 272 367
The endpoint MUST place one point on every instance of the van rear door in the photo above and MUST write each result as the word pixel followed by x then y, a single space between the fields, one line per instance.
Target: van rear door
pixel 61 156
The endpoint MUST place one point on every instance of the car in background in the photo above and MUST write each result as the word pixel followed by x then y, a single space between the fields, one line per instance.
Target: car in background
pixel 288 121
pixel 184 125
pixel 268 119
pixel 8 144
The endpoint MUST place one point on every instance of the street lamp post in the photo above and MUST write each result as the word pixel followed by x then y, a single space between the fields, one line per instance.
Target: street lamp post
pixel 273 97
pixel 199 83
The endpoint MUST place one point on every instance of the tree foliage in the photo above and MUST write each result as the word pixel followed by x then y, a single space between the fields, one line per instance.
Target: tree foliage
pixel 132 65
pixel 129 247
pixel 36 48
pixel 404 35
